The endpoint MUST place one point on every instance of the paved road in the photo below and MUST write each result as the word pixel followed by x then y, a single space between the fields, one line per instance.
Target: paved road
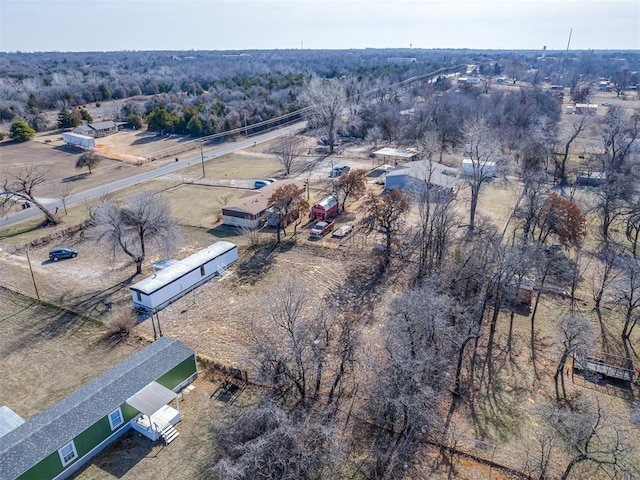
pixel 171 167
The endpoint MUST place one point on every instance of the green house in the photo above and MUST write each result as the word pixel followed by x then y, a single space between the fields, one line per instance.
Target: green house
pixel 134 394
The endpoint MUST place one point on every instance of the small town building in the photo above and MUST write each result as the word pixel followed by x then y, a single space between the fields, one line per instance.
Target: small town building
pixel 395 155
pixel 134 394
pixel 591 179
pixel 586 109
pixel 177 279
pixel 487 169
pixel 98 129
pixel 414 174
pixel 250 210
pixel 325 208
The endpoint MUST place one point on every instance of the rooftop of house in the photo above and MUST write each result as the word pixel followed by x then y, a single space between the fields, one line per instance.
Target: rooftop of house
pixel 255 202
pixel 28 444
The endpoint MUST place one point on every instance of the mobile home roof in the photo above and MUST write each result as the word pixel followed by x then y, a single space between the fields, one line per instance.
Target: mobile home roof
pixel 40 436
pixel 181 268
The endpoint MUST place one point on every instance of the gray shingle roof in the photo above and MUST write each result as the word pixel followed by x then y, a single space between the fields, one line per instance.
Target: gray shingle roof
pixel 48 431
pixel 103 125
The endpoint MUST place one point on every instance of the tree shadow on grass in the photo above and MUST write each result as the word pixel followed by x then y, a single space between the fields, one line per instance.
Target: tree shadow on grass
pixel 254 265
pixel 57 322
pixel 95 303
pixel 497 411
pixel 125 453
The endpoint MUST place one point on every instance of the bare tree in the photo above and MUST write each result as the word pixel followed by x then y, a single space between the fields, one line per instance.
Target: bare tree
pixel 143 222
pixel 304 355
pixel 561 152
pixel 64 191
pixel 287 203
pixel 288 148
pixel 89 160
pixel 23 186
pixel 387 211
pixel 627 294
pixel 351 184
pixel 484 150
pixel 326 101
pixel 577 335
pixel 591 441
pixel 272 443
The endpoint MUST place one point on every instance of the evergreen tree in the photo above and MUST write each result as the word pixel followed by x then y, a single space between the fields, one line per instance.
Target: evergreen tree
pixel 67 119
pixel 21 132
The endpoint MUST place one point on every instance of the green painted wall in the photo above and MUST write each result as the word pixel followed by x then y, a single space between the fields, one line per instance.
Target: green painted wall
pixel 178 374
pixel 98 432
pixel 85 442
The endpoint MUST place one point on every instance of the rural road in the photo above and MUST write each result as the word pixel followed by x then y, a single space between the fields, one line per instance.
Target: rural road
pixel 171 167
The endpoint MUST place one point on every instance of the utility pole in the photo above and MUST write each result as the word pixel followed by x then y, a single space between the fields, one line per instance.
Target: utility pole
pixel 33 278
pixel 202 158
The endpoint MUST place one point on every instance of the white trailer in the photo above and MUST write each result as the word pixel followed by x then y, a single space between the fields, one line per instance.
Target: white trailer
pixel 167 285
pixel 486 169
pixel 79 140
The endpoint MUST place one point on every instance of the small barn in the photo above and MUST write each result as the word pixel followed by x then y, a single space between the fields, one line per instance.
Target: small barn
pixel 167 285
pixel 325 208
pixel 57 442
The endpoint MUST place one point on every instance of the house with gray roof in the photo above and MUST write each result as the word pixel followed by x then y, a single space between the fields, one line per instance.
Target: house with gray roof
pixel 98 129
pixel 134 394
pixel 420 173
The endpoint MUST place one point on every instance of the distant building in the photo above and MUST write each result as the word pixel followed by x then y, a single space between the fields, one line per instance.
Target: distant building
pixel 469 80
pixel 417 173
pixel 250 210
pixel 98 129
pixel 389 155
pixel 401 60
pixel 586 109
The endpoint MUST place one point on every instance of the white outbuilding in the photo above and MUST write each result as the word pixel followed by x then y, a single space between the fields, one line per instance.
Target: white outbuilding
pixel 485 169
pixel 167 285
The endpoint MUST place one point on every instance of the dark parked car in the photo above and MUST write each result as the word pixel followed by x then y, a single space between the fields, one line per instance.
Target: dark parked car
pixel 62 252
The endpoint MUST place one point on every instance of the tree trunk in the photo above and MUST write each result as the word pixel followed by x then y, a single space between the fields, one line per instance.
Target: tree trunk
pixel 559 375
pixel 475 193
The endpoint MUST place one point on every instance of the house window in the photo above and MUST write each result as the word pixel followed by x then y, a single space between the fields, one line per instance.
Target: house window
pixel 202 271
pixel 138 296
pixel 115 418
pixel 68 453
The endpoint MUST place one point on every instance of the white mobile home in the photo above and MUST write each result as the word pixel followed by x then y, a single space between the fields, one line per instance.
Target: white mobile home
pixel 169 284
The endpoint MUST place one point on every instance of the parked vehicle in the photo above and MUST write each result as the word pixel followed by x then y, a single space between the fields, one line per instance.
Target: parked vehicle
pixel 62 252
pixel 320 229
pixel 342 231
pixel 339 170
pixel 262 183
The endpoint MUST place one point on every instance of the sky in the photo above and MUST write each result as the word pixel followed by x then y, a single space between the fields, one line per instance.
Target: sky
pixel 108 25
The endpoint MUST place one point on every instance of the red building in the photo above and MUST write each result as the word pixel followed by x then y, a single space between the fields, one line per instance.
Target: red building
pixel 325 208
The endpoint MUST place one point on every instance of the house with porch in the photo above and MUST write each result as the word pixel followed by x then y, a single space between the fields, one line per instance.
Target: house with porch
pixel 139 393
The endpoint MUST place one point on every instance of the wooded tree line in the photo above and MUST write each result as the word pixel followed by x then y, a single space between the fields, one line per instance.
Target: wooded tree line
pixel 447 340
pixel 256 85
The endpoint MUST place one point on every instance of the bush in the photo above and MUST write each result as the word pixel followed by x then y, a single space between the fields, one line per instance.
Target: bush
pixel 21 132
pixel 122 325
